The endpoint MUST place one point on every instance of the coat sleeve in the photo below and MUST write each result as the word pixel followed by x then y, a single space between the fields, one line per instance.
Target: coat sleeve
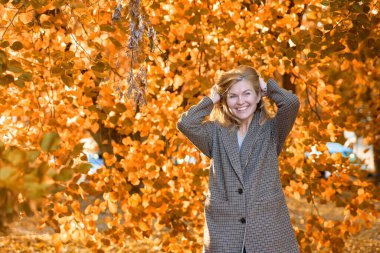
pixel 288 105
pixel 192 125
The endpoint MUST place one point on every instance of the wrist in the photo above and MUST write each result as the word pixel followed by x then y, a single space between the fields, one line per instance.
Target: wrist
pixel 263 86
pixel 213 99
pixel 264 90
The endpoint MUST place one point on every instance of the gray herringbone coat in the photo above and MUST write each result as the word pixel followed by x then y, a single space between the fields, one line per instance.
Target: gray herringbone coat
pixel 245 206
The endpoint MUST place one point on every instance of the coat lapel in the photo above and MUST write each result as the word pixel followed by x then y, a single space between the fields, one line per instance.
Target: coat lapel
pixel 229 138
pixel 249 142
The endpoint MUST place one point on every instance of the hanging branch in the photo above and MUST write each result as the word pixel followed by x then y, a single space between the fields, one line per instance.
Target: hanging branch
pixel 140 30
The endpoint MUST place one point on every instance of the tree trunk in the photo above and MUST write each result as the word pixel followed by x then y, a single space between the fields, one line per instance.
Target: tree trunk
pixel 376 156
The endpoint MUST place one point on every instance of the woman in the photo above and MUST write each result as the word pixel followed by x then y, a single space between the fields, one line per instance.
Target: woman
pixel 245 208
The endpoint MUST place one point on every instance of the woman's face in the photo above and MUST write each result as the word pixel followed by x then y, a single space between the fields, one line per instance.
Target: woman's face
pixel 242 100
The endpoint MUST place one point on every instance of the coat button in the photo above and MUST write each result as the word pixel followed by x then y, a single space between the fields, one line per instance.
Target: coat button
pixel 242 220
pixel 240 191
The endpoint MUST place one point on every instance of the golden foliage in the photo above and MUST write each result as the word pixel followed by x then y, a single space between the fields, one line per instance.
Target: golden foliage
pixel 65 67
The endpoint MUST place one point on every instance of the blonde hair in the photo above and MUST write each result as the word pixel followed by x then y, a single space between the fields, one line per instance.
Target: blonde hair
pixel 220 112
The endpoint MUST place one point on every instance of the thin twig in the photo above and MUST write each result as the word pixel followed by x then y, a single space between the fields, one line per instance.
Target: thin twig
pixel 30 62
pixel 11 23
pixel 76 42
pixel 313 202
pixel 308 95
pixel 309 103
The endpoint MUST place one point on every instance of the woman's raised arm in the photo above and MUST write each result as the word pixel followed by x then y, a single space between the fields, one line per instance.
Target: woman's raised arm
pixel 192 125
pixel 288 105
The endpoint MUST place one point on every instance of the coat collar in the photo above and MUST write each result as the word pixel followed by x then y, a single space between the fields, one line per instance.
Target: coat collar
pixel 239 159
pixel 249 142
pixel 231 146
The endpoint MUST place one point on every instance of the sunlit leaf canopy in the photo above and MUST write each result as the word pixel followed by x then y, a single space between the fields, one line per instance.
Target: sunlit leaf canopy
pixel 123 72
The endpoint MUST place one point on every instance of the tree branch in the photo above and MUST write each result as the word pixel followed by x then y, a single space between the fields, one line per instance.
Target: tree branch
pixel 80 46
pixel 310 105
pixel 11 23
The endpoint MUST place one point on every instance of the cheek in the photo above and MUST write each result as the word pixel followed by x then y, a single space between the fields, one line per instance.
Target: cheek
pixel 229 103
pixel 254 99
pixel 230 106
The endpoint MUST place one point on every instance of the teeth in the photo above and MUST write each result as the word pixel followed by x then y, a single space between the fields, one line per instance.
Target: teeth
pixel 241 109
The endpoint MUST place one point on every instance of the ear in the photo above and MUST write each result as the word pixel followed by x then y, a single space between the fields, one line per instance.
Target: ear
pixel 258 98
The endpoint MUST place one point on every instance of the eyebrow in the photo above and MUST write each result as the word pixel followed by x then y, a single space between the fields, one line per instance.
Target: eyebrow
pixel 230 93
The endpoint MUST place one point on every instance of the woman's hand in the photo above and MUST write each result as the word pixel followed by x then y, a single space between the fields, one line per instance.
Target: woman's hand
pixel 263 86
pixel 214 95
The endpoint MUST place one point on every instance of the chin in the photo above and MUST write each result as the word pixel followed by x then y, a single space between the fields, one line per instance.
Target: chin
pixel 244 117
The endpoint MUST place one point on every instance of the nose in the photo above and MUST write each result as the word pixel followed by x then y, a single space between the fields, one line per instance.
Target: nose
pixel 240 100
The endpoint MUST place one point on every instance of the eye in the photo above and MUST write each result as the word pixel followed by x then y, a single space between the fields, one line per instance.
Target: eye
pixel 247 93
pixel 232 96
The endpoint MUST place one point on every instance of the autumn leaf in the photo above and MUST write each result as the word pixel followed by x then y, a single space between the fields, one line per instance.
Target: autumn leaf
pixel 83 168
pixel 16 46
pixel 9 176
pixel 50 142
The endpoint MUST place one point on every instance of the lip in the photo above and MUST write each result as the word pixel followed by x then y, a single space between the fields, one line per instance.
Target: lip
pixel 242 108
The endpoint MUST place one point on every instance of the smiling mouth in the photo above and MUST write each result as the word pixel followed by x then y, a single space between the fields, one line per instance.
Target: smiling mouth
pixel 242 108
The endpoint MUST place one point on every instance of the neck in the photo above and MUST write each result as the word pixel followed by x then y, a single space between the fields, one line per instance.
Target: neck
pixel 243 128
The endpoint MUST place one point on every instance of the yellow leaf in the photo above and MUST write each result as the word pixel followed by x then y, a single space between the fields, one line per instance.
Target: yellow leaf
pixel 134 200
pixel 27 16
pixel 143 226
pixel 9 177
pixel 177 82
pixel 133 178
pixel 57 246
pixel 67 226
pixel 112 207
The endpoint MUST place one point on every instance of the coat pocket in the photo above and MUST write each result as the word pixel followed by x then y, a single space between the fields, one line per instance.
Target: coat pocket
pixel 219 209
pixel 270 199
pixel 270 222
pixel 268 209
